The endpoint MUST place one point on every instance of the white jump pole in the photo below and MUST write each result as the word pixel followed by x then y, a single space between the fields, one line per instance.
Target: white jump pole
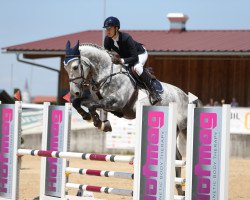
pixel 33 106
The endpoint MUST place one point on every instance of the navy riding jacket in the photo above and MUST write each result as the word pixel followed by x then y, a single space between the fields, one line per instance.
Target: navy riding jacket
pixel 128 49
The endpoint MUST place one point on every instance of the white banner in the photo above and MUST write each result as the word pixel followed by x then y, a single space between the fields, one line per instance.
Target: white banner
pixel 32 121
pixel 123 133
pixel 240 120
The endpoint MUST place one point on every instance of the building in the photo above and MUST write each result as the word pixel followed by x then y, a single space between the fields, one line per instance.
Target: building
pixel 208 63
pixel 42 99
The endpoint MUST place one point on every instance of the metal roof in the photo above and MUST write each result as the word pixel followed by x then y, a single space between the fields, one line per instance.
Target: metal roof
pixel 155 41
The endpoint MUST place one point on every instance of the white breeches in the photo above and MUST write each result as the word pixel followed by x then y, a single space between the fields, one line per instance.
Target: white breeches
pixel 141 62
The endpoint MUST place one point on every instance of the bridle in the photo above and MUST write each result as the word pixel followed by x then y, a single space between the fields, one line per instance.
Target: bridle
pixel 84 81
pixel 89 81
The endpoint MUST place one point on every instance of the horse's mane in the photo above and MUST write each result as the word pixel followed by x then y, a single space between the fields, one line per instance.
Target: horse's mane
pixel 93 45
pixel 110 53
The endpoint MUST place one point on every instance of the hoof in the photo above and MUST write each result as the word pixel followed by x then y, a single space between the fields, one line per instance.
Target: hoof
pixel 179 190
pixel 106 126
pixel 87 117
pixel 98 123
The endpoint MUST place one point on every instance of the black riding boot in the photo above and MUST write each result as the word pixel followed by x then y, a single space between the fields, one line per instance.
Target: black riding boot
pixel 145 77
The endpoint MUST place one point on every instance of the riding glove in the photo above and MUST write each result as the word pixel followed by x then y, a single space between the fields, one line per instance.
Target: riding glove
pixel 116 60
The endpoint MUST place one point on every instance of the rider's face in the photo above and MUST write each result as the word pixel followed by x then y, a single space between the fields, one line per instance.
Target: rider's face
pixel 111 31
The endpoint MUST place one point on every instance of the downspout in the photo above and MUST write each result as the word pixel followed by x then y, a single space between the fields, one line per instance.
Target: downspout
pixel 44 67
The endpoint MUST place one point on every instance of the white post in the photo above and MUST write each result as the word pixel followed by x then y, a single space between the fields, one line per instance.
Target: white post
pixel 220 144
pixel 65 148
pixel 10 135
pixel 189 151
pixel 137 159
pixel 225 152
pixel 66 145
pixel 152 120
pixel 44 147
pixel 171 151
pixel 16 146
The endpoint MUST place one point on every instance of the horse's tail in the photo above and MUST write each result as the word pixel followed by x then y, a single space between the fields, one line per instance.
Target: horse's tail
pixel 194 99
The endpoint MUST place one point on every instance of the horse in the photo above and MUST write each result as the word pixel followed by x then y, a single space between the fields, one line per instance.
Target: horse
pixel 97 83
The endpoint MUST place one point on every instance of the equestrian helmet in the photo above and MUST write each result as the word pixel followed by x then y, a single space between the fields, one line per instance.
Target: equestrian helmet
pixel 111 21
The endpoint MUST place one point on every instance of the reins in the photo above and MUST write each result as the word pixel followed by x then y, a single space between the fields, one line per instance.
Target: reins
pixel 89 81
pixel 103 81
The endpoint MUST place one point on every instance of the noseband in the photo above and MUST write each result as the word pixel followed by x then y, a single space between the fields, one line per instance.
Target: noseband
pixel 84 81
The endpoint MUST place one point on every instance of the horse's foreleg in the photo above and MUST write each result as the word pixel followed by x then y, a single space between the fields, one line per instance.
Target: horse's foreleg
pixel 96 118
pixel 103 125
pixel 104 104
pixel 77 105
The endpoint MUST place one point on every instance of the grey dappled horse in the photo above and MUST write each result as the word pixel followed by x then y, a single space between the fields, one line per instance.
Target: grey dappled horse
pixel 96 83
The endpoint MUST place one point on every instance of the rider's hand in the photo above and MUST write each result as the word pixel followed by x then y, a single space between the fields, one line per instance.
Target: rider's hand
pixel 116 60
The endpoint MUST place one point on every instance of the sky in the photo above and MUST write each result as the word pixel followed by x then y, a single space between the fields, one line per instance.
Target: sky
pixel 24 21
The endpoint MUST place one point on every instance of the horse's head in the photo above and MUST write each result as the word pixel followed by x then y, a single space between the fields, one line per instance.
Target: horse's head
pixel 78 69
pixel 72 66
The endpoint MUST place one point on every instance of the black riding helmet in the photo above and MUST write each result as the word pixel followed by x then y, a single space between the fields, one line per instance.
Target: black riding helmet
pixel 111 21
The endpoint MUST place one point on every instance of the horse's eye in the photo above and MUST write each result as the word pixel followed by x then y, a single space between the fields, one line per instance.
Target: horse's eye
pixel 75 67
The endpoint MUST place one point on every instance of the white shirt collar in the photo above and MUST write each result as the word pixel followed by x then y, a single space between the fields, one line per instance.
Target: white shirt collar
pixel 116 39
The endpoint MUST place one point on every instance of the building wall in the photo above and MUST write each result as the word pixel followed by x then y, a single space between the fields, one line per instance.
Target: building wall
pixel 206 77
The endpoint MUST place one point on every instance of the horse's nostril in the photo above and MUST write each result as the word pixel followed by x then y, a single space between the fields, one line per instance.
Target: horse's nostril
pixel 77 93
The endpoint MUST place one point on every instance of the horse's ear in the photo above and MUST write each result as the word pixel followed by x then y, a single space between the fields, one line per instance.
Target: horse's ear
pixel 76 48
pixel 68 45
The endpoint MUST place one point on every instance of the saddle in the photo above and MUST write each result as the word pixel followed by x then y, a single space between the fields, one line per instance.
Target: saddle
pixel 136 81
pixel 138 84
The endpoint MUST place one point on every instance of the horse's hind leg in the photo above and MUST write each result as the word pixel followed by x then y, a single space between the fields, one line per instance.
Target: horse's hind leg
pixel 178 173
pixel 178 169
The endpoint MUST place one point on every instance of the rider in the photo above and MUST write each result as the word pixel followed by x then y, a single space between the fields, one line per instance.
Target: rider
pixel 130 52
